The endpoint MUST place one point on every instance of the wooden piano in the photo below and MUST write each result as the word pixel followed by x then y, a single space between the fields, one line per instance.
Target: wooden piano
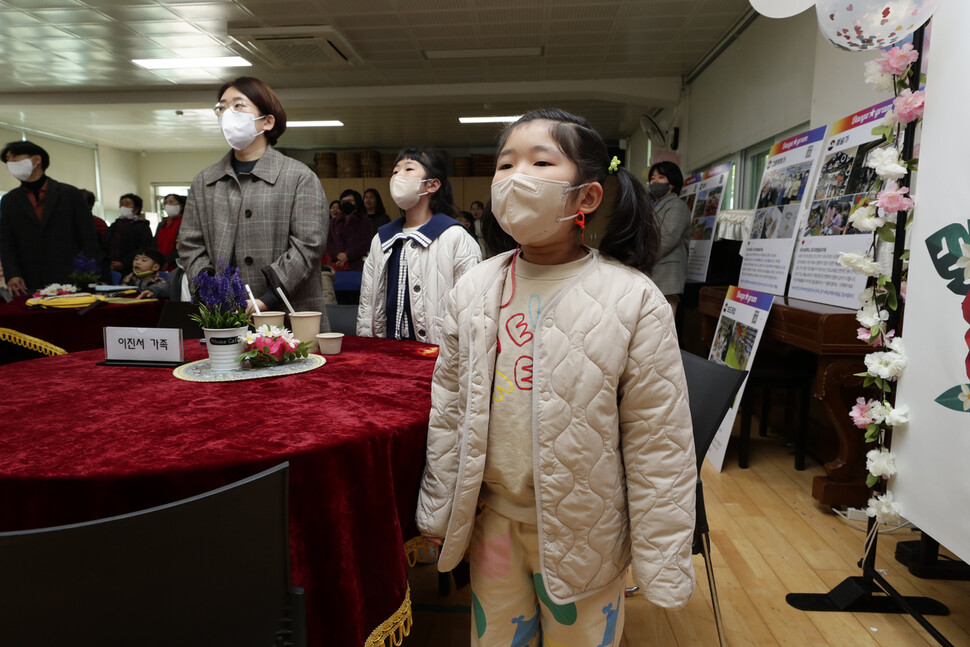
pixel 828 332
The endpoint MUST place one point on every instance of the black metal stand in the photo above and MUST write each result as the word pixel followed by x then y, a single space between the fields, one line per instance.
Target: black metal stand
pixel 870 592
pixel 922 558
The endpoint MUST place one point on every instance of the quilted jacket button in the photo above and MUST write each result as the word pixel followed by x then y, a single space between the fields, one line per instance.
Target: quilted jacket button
pixel 414 244
pixel 474 453
pixel 422 333
pixel 545 396
pixel 417 288
pixel 548 323
pixel 548 470
pixel 478 312
pixel 478 380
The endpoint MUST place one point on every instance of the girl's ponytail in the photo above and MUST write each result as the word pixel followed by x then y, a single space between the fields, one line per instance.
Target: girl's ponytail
pixel 632 236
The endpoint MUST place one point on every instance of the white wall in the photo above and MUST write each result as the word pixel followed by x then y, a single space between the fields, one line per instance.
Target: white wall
pixel 760 85
pixel 172 168
pixel 838 85
pixel 119 175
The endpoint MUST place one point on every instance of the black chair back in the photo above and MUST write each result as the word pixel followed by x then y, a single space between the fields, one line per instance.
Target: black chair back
pixel 209 570
pixel 175 314
pixel 343 318
pixel 711 388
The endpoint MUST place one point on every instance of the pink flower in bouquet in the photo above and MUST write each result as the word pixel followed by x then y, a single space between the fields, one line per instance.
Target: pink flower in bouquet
pixel 861 413
pixel 277 347
pixel 897 59
pixel 908 106
pixel 863 334
pixel 893 200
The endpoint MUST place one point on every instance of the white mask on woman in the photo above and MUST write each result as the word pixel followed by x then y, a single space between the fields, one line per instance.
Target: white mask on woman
pixel 405 190
pixel 126 212
pixel 530 209
pixel 239 128
pixel 173 210
pixel 21 169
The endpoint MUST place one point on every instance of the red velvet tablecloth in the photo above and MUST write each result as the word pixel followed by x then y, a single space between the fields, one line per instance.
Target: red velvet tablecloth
pixel 71 328
pixel 82 442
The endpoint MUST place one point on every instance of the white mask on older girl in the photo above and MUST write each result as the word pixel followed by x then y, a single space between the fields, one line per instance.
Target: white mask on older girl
pixel 530 209
pixel 405 190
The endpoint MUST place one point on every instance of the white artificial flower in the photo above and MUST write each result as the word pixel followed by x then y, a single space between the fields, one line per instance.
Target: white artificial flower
pixel 881 462
pixel 964 260
pixel 869 315
pixel 896 346
pixel 886 365
pixel 881 81
pixel 861 263
pixel 878 411
pixel 884 509
pixel 885 161
pixel 896 416
pixel 866 219
pixel 263 330
pixel 964 396
pixel 251 338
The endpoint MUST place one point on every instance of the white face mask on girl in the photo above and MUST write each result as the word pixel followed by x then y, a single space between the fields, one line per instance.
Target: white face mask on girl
pixel 21 169
pixel 239 128
pixel 530 209
pixel 173 210
pixel 126 212
pixel 405 190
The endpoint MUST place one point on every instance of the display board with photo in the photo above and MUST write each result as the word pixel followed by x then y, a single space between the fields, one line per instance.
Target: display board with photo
pixel 739 329
pixel 780 209
pixel 704 196
pixel 843 180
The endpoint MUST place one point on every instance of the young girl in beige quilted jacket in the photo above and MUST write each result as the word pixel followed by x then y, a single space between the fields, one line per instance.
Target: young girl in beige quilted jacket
pixel 560 446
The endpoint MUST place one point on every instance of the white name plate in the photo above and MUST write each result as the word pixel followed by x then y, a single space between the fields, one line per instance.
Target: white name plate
pixel 142 344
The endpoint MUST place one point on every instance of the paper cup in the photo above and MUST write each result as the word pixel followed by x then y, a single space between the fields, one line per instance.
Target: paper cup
pixel 329 342
pixel 305 325
pixel 268 318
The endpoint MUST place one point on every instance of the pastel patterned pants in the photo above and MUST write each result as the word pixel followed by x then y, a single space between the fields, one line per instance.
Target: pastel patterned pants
pixel 510 606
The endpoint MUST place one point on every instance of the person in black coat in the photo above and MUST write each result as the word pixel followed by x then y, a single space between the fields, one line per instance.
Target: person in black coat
pixel 126 235
pixel 44 224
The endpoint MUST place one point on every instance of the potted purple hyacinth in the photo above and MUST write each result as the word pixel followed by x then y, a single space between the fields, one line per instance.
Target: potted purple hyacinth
pixel 221 298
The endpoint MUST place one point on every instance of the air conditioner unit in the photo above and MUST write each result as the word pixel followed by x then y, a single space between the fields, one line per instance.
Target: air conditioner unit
pixel 312 45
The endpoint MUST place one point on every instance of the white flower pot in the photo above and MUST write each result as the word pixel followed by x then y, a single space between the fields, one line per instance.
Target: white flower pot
pixel 224 346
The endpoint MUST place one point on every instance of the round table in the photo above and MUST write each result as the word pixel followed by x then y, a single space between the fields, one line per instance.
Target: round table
pixel 83 442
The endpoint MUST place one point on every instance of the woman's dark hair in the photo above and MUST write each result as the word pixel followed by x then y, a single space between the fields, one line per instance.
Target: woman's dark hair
pixel 26 148
pixel 670 171
pixel 631 235
pixel 435 167
pixel 480 204
pixel 136 200
pixel 335 202
pixel 358 200
pixel 379 209
pixel 264 99
pixel 179 198
pixel 495 239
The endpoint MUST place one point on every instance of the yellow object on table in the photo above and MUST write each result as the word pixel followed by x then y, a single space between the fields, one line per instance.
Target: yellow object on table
pixel 77 300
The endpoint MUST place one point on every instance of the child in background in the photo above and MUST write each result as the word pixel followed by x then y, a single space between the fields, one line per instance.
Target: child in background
pixel 560 445
pixel 415 260
pixel 145 267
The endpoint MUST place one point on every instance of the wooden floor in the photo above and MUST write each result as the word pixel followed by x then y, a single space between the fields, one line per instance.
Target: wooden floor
pixel 769 538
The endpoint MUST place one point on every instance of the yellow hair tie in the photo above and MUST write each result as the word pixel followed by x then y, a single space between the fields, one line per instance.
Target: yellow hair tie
pixel 614 165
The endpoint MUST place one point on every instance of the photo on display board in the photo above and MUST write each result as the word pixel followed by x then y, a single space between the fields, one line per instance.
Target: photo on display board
pixel 786 186
pixel 690 202
pixel 705 213
pixel 733 343
pixel 831 217
pixel 775 222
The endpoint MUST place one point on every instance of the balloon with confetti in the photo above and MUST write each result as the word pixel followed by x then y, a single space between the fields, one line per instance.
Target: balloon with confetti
pixel 857 25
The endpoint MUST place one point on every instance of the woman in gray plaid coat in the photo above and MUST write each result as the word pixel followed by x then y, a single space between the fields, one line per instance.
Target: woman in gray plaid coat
pixel 257 209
